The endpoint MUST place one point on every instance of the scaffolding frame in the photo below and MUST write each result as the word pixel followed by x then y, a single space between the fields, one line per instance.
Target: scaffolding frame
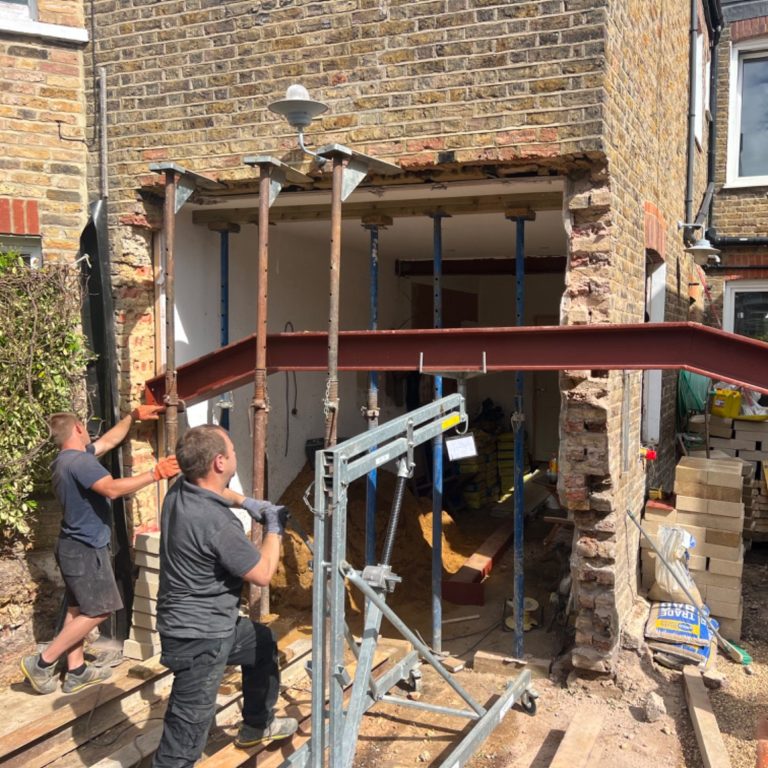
pixel 335 727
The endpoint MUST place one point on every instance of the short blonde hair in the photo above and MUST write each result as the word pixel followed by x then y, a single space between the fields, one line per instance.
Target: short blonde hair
pixel 61 426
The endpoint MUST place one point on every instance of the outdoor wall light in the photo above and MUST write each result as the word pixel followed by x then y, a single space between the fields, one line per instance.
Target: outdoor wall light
pixel 702 250
pixel 299 110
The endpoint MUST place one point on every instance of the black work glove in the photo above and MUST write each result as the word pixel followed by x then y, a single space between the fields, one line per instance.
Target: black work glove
pixel 275 519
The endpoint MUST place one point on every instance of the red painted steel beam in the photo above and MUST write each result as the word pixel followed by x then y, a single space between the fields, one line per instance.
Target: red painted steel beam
pixel 665 346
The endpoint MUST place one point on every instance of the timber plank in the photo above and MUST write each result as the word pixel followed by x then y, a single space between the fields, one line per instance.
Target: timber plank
pixel 85 728
pixel 142 742
pixel 42 715
pixel 711 744
pixel 272 755
pixel 579 740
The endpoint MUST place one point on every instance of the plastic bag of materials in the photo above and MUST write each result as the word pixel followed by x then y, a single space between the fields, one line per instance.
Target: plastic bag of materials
pixel 673 544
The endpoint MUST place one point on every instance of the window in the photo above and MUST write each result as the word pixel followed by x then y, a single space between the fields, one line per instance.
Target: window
pixel 745 308
pixel 655 303
pixel 701 91
pixel 22 9
pixel 748 115
pixel 29 248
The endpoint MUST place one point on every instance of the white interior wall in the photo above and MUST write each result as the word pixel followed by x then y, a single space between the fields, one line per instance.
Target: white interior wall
pixel 298 293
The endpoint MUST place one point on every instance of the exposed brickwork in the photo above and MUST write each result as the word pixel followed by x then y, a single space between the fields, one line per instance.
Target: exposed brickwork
pixel 589 89
pixel 616 214
pixel 749 28
pixel 42 82
pixel 19 217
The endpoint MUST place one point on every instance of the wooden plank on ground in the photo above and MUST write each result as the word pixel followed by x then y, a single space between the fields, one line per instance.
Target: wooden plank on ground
pixel 142 742
pixel 579 740
pixel 42 715
pixel 271 756
pixel 103 717
pixel 711 744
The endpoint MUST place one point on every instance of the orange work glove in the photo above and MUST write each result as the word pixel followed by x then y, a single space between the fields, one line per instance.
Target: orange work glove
pixel 147 412
pixel 165 468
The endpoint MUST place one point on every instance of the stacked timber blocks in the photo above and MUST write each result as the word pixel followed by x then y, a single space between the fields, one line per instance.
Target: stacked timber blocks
pixel 709 506
pixel 144 641
pixel 745 439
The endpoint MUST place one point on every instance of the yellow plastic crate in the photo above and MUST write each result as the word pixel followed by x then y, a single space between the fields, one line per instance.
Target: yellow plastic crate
pixel 726 403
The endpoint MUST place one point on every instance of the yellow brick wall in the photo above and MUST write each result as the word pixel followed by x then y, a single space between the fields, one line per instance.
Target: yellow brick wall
pixel 41 81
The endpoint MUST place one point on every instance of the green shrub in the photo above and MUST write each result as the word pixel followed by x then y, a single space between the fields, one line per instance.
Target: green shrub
pixel 43 355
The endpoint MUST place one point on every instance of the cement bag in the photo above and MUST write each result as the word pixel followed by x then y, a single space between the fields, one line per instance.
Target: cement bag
pixel 679 623
pixel 673 544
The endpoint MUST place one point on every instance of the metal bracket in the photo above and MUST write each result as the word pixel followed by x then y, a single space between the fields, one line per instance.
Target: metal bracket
pixel 381 577
pixel 280 174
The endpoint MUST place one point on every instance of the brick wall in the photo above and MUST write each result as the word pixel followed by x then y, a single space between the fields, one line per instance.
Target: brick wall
pixel 414 82
pixel 425 84
pixel 617 213
pixel 42 82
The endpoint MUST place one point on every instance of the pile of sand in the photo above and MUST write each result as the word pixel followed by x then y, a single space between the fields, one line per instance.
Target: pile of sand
pixel 412 552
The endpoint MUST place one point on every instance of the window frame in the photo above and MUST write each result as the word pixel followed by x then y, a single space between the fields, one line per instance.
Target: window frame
pixel 29 246
pixel 27 9
pixel 739 52
pixel 730 289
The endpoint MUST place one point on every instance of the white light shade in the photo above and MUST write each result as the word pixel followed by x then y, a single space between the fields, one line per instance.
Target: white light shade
pixel 297 108
pixel 702 251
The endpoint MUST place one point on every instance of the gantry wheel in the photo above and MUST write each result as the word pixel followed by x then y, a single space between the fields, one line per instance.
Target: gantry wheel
pixel 528 703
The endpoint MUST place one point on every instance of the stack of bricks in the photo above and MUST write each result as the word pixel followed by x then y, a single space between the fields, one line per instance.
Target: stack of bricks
pixel 144 641
pixel 745 439
pixel 709 506
pixel 739 438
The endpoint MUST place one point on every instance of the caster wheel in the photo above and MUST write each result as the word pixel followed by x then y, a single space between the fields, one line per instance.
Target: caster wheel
pixel 528 704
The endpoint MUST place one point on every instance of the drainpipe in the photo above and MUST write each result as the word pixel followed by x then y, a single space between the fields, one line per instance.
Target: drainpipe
pixel 437 446
pixel 692 73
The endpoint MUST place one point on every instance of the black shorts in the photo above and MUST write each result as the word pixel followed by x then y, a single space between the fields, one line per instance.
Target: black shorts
pixel 88 577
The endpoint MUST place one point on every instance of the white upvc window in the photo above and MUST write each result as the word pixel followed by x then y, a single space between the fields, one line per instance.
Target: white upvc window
pixel 701 86
pixel 748 115
pixel 745 308
pixel 20 9
pixel 29 248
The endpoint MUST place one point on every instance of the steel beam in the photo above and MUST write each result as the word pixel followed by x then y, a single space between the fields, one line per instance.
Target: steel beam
pixel 664 346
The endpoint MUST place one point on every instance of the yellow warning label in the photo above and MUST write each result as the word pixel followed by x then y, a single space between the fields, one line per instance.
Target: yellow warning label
pixel 451 421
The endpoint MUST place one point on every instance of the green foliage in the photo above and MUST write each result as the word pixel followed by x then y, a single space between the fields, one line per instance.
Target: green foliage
pixel 43 355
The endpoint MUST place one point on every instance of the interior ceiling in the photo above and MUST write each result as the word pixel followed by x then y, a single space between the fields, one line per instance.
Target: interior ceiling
pixel 464 235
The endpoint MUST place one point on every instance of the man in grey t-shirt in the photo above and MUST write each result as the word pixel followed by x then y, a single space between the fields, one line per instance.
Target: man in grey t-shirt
pixel 84 489
pixel 205 557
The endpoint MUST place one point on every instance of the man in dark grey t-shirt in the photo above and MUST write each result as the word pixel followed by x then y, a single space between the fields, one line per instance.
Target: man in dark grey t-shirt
pixel 84 489
pixel 205 557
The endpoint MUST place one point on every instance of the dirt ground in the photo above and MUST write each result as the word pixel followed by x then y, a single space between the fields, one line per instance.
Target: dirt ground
pixel 395 736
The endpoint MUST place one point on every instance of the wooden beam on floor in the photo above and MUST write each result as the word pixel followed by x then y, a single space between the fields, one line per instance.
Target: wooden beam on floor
pixel 579 740
pixel 711 744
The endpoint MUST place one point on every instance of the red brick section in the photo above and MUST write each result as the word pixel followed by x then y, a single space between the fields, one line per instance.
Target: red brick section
pixel 762 743
pixel 19 217
pixel 748 28
pixel 655 230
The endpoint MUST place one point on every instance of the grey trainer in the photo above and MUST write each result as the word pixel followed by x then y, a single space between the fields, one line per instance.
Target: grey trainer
pixel 279 728
pixel 90 676
pixel 42 680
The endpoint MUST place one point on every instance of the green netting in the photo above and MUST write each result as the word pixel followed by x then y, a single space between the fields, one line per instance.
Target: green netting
pixel 692 390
